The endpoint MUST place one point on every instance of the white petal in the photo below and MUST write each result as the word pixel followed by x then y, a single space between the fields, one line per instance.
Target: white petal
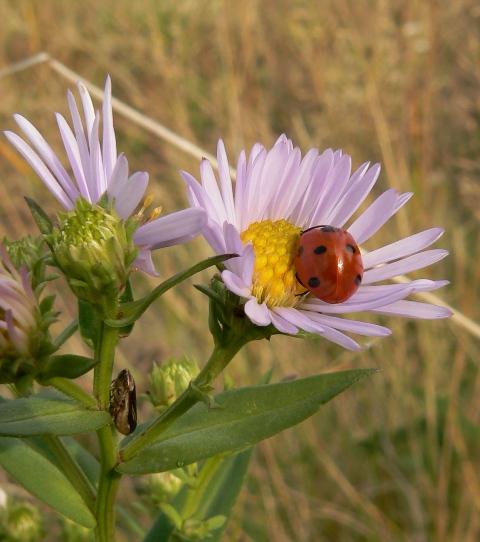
pixel 374 217
pixel 166 230
pixel 340 175
pixel 235 284
pixel 400 249
pixel 43 172
pixel 354 197
pixel 406 265
pixel 97 183
pixel 352 326
pixel 258 314
pixel 202 197
pixel 305 213
pixel 73 153
pixel 299 319
pixel 283 325
pixel 355 304
pixel 109 143
pixel 414 309
pixel 47 155
pixel 240 192
pixel 127 191
pixel 144 262
pixel 88 110
pixel 78 129
pixel 209 183
pixel 225 182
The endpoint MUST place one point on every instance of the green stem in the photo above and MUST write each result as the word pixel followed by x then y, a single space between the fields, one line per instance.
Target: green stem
pixel 68 387
pixel 107 437
pixel 222 354
pixel 103 372
pixel 197 493
pixel 72 469
pixel 108 483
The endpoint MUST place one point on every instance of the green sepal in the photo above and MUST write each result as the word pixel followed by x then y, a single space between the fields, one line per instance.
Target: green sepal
pixel 126 297
pixel 67 366
pixel 40 477
pixel 45 225
pixel 50 413
pixel 131 312
pixel 88 323
pixel 249 414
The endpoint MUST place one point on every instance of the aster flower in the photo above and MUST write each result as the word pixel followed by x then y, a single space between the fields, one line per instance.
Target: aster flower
pixel 97 169
pixel 277 195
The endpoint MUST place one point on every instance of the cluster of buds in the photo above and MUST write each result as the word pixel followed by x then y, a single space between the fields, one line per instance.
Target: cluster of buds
pixel 169 380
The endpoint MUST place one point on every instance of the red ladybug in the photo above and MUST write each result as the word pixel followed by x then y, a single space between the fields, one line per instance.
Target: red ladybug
pixel 328 263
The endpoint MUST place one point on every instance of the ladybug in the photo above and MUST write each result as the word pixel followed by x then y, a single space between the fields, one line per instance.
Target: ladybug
pixel 328 263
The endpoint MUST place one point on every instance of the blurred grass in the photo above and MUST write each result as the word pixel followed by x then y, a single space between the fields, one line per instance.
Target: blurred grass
pixel 395 458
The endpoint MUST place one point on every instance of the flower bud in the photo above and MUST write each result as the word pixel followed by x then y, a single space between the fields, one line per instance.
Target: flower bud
pixel 94 248
pixel 24 338
pixel 163 486
pixel 21 521
pixel 170 380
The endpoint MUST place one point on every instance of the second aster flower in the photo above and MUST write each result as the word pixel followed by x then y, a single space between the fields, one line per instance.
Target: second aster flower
pixel 98 170
pixel 277 195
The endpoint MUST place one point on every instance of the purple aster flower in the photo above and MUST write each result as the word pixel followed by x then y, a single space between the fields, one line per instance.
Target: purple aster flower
pixel 277 195
pixel 97 169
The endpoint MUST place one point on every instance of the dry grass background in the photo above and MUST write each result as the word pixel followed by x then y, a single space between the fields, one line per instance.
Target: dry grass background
pixel 396 457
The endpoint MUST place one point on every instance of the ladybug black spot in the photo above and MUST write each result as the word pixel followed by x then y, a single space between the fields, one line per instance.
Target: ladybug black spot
pixel 358 280
pixel 321 249
pixel 350 248
pixel 314 282
pixel 299 251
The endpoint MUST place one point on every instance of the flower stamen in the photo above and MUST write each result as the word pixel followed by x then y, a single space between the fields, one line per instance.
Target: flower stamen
pixel 274 280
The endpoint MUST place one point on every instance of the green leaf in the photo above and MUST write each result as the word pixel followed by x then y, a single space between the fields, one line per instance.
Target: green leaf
pixel 131 312
pixel 224 488
pixel 88 323
pixel 66 366
pixel 44 480
pixel 248 415
pixel 48 414
pixel 45 225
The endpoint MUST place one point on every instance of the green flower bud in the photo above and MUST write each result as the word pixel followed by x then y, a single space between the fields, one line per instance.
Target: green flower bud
pixel 21 522
pixel 94 248
pixel 163 486
pixel 170 380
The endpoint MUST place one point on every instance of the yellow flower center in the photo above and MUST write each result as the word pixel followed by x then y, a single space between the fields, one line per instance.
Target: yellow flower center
pixel 274 278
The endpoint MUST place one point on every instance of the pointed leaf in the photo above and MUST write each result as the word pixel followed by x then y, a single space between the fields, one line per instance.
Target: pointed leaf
pixel 44 480
pixel 49 414
pixel 248 415
pixel 45 225
pixel 66 366
pixel 86 461
pixel 130 312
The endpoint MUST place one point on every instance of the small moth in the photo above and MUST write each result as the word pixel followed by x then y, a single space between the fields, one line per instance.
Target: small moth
pixel 123 402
